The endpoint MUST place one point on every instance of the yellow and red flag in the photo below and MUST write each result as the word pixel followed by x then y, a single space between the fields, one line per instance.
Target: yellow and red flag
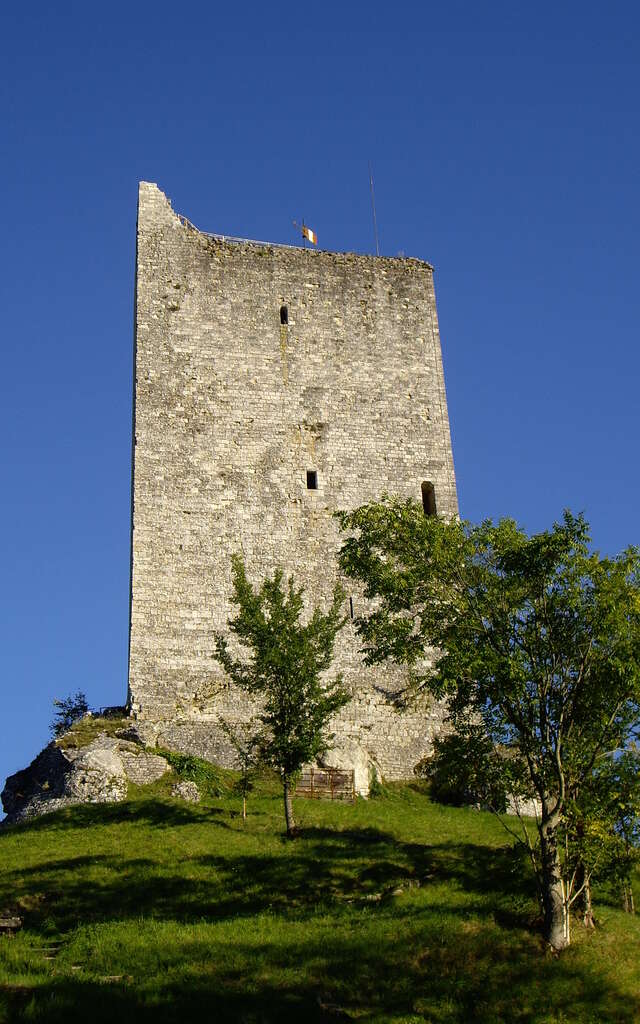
pixel 311 235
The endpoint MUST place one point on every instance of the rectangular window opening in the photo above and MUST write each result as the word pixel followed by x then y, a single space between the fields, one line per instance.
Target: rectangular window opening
pixel 351 606
pixel 312 480
pixel 429 498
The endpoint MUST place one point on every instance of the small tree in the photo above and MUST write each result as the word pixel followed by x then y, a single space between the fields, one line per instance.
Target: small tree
pixel 247 743
pixel 603 829
pixel 284 668
pixel 68 711
pixel 536 638
pixel 626 854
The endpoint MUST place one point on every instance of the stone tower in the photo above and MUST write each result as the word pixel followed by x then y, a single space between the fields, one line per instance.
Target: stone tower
pixel 273 385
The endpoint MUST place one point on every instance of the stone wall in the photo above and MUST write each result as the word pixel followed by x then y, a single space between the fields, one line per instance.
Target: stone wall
pixel 233 408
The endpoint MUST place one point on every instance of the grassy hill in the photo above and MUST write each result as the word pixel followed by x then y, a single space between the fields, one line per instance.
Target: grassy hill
pixel 394 909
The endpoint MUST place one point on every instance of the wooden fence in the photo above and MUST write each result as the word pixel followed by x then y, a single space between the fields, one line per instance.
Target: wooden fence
pixel 326 784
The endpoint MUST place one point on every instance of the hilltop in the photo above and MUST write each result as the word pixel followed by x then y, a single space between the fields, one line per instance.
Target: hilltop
pixel 394 909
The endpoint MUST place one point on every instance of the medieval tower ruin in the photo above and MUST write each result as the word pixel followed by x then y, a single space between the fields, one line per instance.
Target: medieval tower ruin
pixel 273 385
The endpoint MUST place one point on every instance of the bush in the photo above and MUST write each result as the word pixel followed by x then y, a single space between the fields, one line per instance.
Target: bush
pixel 69 710
pixel 194 769
pixel 463 770
pixel 376 789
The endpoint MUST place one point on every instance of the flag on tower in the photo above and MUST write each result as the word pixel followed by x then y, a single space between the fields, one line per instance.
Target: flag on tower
pixel 311 235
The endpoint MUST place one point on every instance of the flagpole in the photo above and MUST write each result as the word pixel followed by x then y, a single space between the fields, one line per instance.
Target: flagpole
pixel 373 207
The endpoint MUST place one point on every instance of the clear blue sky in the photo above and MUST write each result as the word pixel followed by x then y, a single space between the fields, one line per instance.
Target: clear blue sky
pixel 505 146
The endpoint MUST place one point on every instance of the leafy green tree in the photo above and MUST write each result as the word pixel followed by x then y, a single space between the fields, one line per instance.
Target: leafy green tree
pixel 602 832
pixel 284 668
pixel 537 638
pixel 599 836
pixel 626 828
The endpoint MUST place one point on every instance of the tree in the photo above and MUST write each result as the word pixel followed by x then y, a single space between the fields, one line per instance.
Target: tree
pixel 626 827
pixel 246 742
pixel 603 830
pixel 68 711
pixel 537 639
pixel 284 670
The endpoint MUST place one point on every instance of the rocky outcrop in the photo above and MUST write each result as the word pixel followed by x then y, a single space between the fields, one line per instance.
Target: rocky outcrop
pixel 97 773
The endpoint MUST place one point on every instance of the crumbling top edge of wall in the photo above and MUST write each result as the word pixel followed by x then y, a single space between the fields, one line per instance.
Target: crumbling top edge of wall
pixel 150 190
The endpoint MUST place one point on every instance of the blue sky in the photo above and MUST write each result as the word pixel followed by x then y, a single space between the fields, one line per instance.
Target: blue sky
pixel 505 148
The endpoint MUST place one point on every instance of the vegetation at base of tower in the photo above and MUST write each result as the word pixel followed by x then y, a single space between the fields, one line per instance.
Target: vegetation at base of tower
pixel 285 666
pixel 391 911
pixel 539 642
pixel 208 777
pixel 376 788
pixel 466 770
pixel 600 834
pixel 68 711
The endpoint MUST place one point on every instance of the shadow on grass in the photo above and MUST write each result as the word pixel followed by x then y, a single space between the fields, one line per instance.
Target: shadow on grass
pixel 346 946
pixel 322 869
pixel 159 813
pixel 472 976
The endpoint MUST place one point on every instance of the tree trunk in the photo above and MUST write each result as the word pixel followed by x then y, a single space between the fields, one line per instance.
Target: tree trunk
pixel 627 899
pixel 587 906
pixel 244 807
pixel 556 914
pixel 582 882
pixel 288 810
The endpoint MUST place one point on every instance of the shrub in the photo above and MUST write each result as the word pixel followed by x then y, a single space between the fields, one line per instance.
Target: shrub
pixel 463 770
pixel 194 769
pixel 376 789
pixel 69 710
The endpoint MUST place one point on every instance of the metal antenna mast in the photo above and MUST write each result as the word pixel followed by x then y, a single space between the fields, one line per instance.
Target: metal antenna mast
pixel 373 208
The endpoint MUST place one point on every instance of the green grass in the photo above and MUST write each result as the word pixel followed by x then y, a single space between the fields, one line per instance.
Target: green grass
pixel 391 910
pixel 87 729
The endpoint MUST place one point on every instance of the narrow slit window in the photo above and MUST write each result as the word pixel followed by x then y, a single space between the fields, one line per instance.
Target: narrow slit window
pixel 284 315
pixel 429 498
pixel 312 480
pixel 351 607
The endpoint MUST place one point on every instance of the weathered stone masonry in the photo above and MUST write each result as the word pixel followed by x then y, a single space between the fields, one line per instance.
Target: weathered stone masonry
pixel 233 409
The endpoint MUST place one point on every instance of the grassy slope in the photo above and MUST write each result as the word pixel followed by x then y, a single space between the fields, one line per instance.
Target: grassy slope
pixel 155 911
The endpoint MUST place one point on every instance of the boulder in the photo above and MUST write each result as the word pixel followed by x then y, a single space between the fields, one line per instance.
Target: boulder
pixel 186 791
pixel 97 773
pixel 348 755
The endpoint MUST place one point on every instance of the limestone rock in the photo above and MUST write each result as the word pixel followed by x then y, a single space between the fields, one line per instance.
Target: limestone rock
pixel 97 773
pixel 531 808
pixel 186 791
pixel 141 733
pixel 349 754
